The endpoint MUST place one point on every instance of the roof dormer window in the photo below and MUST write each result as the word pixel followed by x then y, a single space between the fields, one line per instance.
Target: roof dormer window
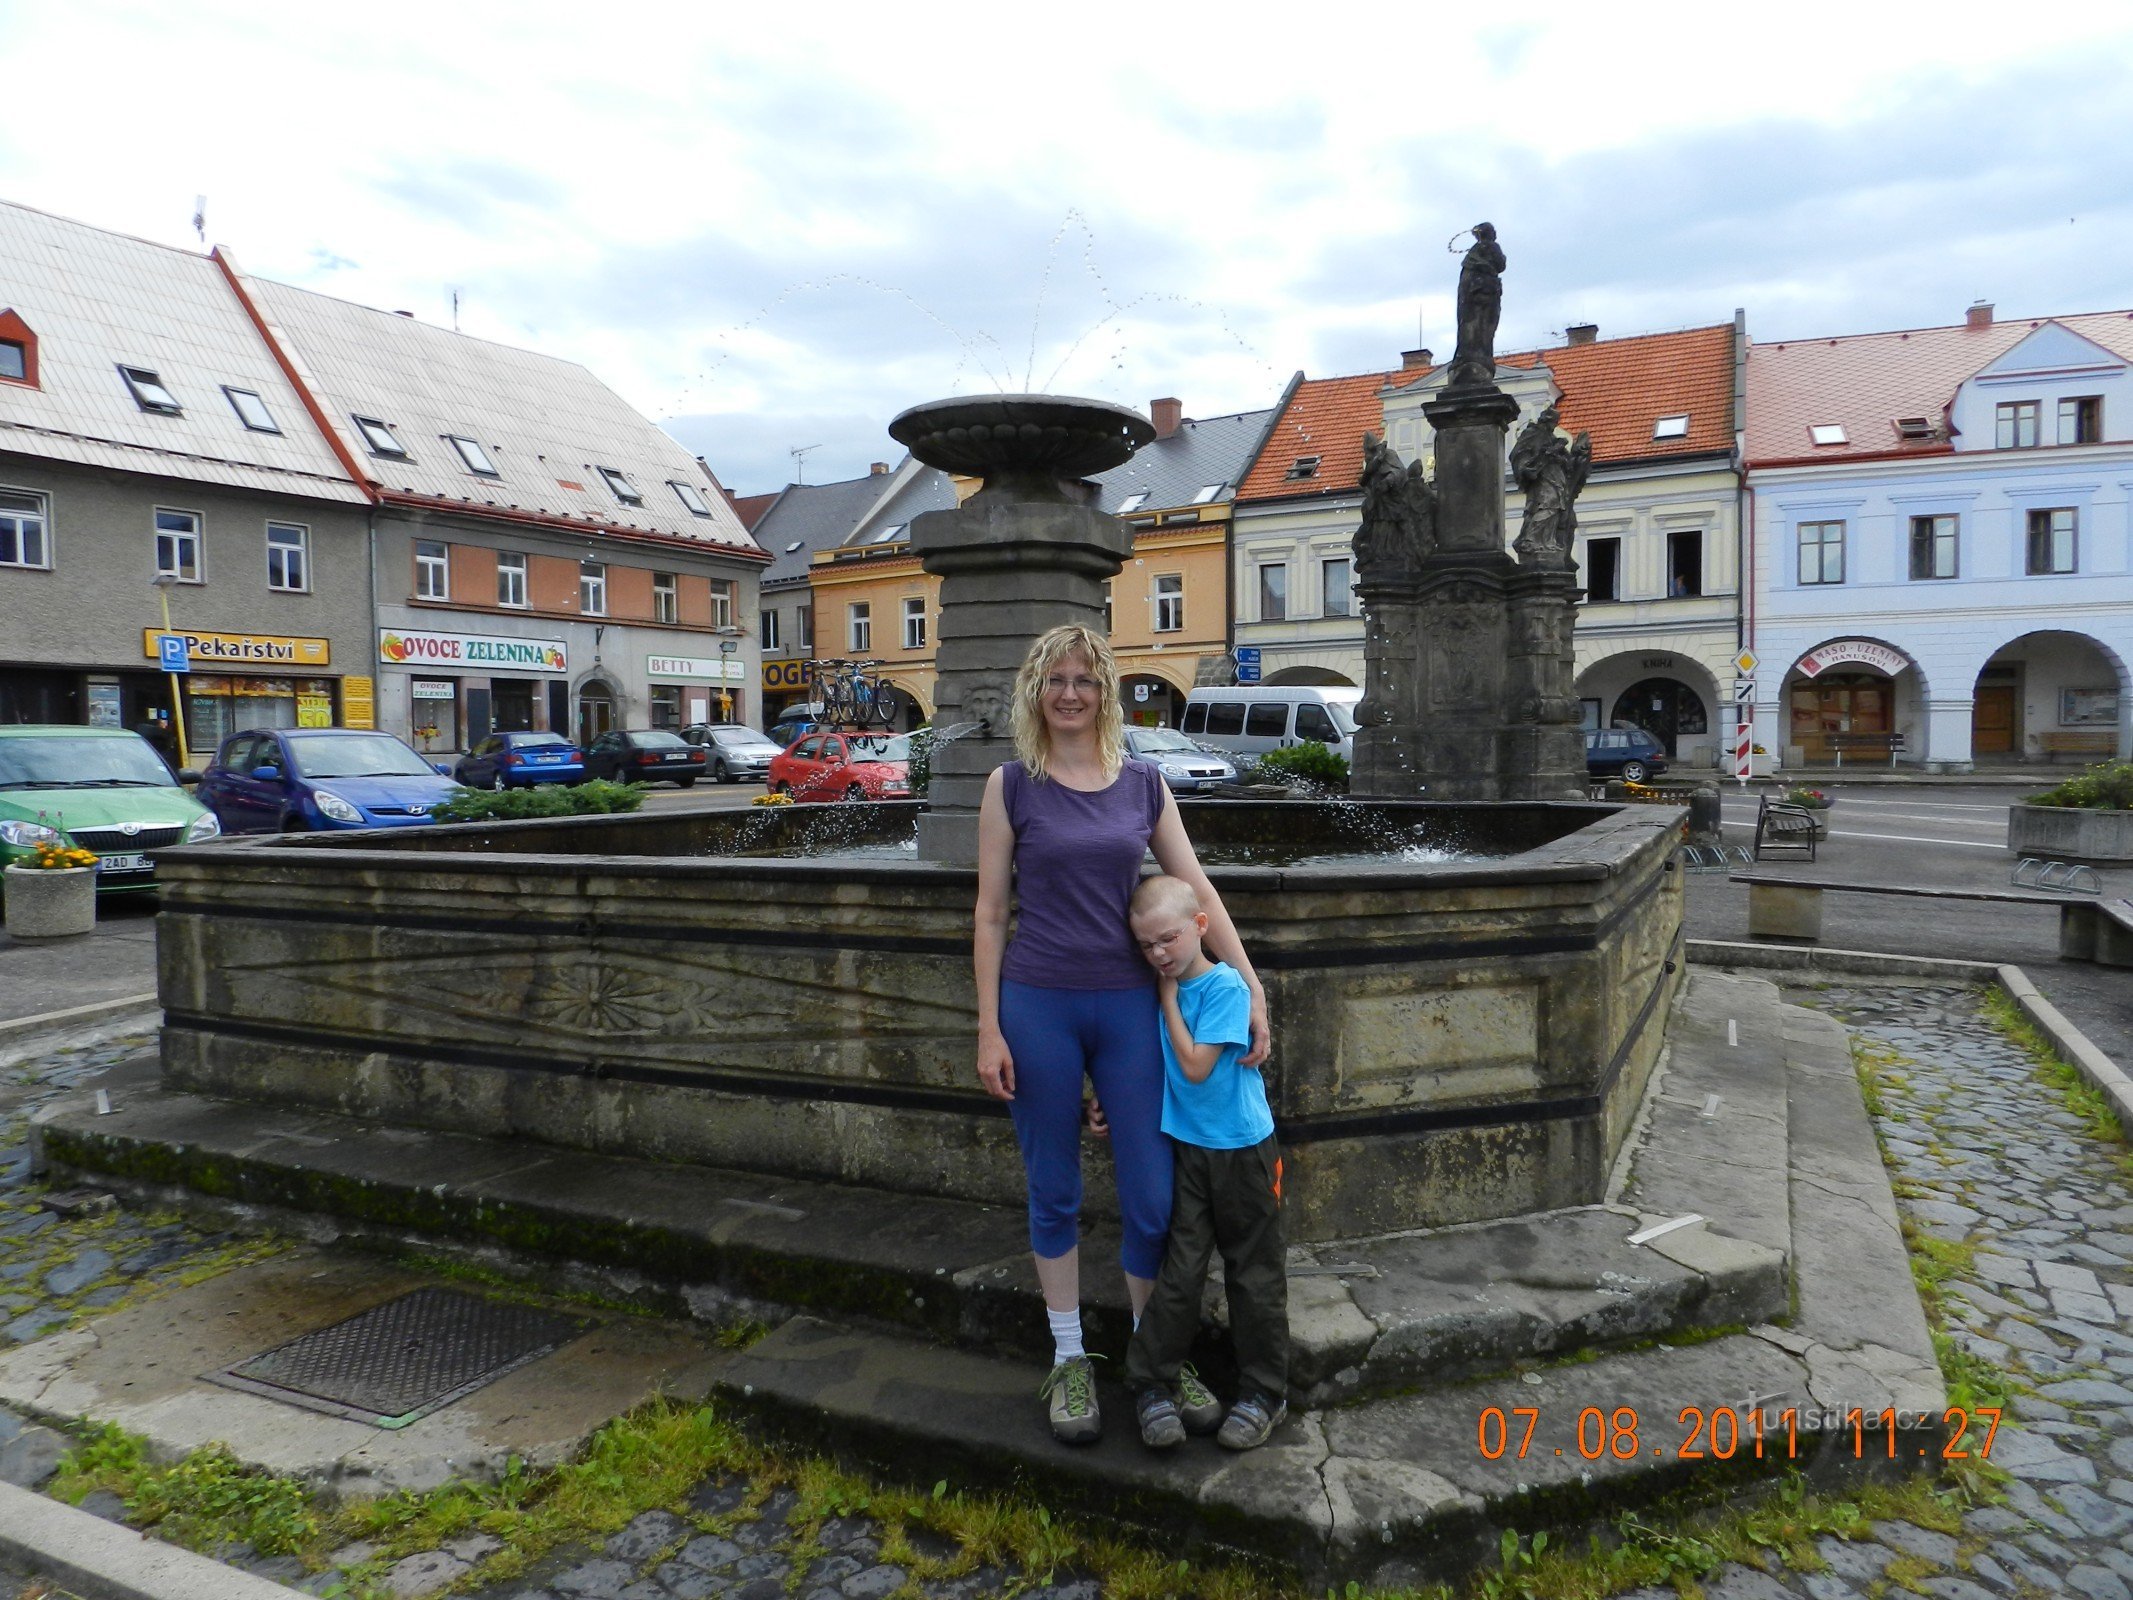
pixel 148 391
pixel 18 350
pixel 380 438
pixel 1674 427
pixel 1828 433
pixel 251 410
pixel 1914 427
pixel 477 459
pixel 1303 467
pixel 687 495
pixel 620 487
pixel 14 361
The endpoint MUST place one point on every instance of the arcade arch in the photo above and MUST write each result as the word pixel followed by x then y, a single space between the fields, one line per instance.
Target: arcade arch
pixel 2055 694
pixel 1670 695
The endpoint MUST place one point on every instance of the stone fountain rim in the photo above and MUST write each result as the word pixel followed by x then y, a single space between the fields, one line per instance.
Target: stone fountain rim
pixel 914 425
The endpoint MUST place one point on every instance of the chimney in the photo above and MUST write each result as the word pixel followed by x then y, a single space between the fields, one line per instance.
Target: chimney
pixel 878 469
pixel 1415 360
pixel 1979 315
pixel 1582 332
pixel 410 314
pixel 1166 415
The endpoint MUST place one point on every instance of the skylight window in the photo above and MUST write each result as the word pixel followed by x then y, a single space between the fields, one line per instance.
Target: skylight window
pixel 1914 427
pixel 149 393
pixel 789 549
pixel 251 410
pixel 1675 427
pixel 1133 502
pixel 381 439
pixel 1304 467
pixel 889 534
pixel 620 487
pixel 687 495
pixel 1829 433
pixel 476 458
pixel 1207 493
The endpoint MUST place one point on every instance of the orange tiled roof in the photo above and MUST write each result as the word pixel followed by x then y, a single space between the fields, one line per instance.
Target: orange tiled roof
pixel 1327 418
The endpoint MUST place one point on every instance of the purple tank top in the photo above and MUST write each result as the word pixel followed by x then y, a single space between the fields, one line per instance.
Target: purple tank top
pixel 1077 858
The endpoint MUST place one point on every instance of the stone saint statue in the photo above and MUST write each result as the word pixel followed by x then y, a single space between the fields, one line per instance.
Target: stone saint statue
pixel 1551 471
pixel 1399 525
pixel 1480 306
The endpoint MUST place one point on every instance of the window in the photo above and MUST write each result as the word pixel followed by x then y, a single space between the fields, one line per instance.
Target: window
pixel 2081 419
pixel 666 599
pixel 914 622
pixel 1675 427
pixel 25 540
pixel 1823 433
pixel 1337 583
pixel 1684 563
pixel 1169 602
pixel 1313 722
pixel 1267 720
pixel 148 391
pixel 510 578
pixel 666 707
pixel 1603 569
pixel 592 588
pixel 433 571
pixel 251 410
pixel 1914 427
pixel 1274 592
pixel 721 602
pixel 1933 545
pixel 178 545
pixel 14 360
pixel 2051 541
pixel 1821 552
pixel 687 495
pixel 766 625
pixel 2015 423
pixel 1133 502
pixel 1225 717
pixel 288 557
pixel 381 439
pixel 859 626
pixel 1207 493
pixel 477 459
pixel 806 618
pixel 1303 467
pixel 621 487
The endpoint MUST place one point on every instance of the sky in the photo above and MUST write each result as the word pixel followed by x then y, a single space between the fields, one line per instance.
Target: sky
pixel 771 232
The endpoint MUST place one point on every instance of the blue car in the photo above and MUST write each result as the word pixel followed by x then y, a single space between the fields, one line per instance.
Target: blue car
pixel 518 760
pixel 305 780
pixel 1627 753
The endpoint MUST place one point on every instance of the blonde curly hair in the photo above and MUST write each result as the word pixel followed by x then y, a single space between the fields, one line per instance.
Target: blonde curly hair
pixel 1033 738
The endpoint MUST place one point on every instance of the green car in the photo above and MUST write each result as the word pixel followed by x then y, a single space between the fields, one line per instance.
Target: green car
pixel 103 789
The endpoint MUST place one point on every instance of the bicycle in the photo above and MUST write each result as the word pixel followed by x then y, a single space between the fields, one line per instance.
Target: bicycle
pixel 850 696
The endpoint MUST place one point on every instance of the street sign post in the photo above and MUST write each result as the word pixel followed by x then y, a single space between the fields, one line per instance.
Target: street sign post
pixel 1744 726
pixel 173 653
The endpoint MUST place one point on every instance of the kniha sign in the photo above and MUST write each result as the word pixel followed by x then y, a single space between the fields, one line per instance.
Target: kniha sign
pixel 400 648
pixel 1852 653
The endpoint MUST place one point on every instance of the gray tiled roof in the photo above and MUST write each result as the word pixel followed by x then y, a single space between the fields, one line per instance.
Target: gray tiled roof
pixel 810 517
pixel 1214 451
pixel 920 489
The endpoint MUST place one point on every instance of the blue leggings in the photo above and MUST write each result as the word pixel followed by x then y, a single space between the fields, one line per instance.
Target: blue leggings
pixel 1056 1036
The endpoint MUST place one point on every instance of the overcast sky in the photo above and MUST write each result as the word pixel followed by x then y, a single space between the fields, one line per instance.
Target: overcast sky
pixel 773 227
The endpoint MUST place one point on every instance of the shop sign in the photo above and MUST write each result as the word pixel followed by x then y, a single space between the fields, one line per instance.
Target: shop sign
pixel 785 674
pixel 400 648
pixel 241 649
pixel 358 703
pixel 432 689
pixel 692 667
pixel 1852 653
pixel 314 711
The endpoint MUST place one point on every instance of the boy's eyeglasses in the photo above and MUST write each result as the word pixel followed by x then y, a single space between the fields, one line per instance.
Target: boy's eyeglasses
pixel 1078 685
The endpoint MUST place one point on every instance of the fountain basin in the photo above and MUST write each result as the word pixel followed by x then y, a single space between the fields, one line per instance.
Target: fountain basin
pixel 1454 1040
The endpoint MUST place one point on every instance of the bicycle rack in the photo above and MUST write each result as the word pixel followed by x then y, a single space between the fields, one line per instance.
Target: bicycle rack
pixel 1713 857
pixel 2031 872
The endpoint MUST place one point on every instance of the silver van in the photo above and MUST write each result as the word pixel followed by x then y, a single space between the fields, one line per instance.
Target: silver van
pixel 1250 719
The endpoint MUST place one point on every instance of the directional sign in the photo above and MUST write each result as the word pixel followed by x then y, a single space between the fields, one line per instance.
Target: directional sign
pixel 1248 671
pixel 1247 655
pixel 173 652
pixel 1745 663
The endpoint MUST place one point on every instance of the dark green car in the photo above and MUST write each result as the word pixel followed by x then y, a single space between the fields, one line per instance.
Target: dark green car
pixel 103 789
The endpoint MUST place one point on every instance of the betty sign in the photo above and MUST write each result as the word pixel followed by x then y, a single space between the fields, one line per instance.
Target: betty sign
pixel 1852 653
pixel 398 648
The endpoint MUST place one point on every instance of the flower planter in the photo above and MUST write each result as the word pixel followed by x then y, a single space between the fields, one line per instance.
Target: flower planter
pixel 2070 833
pixel 50 904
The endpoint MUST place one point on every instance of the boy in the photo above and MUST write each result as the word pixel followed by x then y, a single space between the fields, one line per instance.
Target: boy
pixel 1227 1189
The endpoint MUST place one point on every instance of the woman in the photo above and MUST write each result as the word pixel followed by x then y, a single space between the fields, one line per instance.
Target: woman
pixel 1070 996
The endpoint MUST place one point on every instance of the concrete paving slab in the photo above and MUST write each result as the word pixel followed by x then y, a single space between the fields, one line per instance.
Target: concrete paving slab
pixel 100 1562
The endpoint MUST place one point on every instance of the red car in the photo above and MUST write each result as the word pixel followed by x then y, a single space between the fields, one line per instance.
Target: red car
pixel 844 766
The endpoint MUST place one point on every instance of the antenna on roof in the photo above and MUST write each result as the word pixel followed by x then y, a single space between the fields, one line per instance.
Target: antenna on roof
pixel 200 217
pixel 799 461
pixel 455 310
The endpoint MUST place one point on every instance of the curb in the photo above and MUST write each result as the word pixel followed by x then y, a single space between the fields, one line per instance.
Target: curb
pixel 100 1560
pixel 20 1036
pixel 2099 1070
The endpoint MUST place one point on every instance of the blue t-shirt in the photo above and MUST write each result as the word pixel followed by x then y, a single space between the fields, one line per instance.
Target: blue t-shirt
pixel 1228 1109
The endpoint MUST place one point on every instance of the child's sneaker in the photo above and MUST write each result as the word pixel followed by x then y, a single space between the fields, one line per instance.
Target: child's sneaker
pixel 1071 1391
pixel 1200 1411
pixel 1161 1428
pixel 1250 1420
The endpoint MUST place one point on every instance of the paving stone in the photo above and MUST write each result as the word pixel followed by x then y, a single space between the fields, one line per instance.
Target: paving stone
pixel 597 1580
pixel 2032 1505
pixel 2088 1392
pixel 1909 1539
pixel 647 1535
pixel 841 1531
pixel 73 1276
pixel 710 1554
pixel 2057 1275
pixel 31 1457
pixel 1987 1570
pixel 423 1573
pixel 474 1547
pixel 2084 1307
pixel 1818 1585
pixel 2095 1516
pixel 2050 1549
pixel 759 1589
pixel 1736 1582
pixel 829 1569
pixel 1860 1563
pixel 2025 1336
pixel 2033 1408
pixel 2098 1583
pixel 103 1503
pixel 873 1583
pixel 1992 1519
pixel 2029 1454
pixel 685 1582
pixel 1952 1588
pixel 2026 1567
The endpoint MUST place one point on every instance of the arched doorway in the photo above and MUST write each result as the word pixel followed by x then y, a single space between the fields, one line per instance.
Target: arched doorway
pixel 2050 696
pixel 1665 708
pixel 1847 700
pixel 1148 701
pixel 596 710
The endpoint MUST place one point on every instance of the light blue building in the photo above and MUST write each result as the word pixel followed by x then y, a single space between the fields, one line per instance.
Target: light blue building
pixel 1940 527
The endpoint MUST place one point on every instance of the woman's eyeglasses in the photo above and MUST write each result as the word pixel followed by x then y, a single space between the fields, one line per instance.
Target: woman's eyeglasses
pixel 1078 685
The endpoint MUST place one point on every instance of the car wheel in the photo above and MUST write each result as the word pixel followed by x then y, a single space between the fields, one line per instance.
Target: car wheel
pixel 725 773
pixel 688 782
pixel 1634 771
pixel 293 824
pixel 781 787
pixel 497 783
pixel 853 791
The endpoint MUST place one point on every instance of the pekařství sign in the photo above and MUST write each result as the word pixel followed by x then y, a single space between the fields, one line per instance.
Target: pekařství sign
pixel 399 648
pixel 1852 653
pixel 242 649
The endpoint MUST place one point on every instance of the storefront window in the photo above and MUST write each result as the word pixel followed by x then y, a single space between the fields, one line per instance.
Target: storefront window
pixel 218 705
pixel 666 708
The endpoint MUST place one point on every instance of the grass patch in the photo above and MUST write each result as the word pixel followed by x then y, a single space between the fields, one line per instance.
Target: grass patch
pixel 2099 1117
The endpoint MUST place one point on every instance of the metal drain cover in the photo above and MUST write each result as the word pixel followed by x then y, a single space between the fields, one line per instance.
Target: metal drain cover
pixel 400 1361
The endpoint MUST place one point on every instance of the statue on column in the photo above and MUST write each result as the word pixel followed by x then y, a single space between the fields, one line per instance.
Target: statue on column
pixel 1399 527
pixel 1480 308
pixel 1551 471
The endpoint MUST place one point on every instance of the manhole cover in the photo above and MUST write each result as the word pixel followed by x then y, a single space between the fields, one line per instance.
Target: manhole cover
pixel 400 1361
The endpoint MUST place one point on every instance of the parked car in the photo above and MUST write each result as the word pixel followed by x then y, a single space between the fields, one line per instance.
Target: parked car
pixel 1185 766
pixel 735 752
pixel 645 755
pixel 519 760
pixel 300 780
pixel 1249 719
pixel 845 766
pixel 1627 753
pixel 104 789
pixel 790 726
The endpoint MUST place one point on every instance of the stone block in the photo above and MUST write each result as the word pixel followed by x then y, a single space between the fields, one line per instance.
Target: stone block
pixel 1784 911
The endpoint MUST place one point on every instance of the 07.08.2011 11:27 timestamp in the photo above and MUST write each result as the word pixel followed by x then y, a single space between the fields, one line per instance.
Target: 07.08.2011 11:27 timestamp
pixel 1722 1433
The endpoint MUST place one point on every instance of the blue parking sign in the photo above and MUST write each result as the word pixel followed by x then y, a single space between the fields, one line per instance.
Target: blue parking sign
pixel 173 651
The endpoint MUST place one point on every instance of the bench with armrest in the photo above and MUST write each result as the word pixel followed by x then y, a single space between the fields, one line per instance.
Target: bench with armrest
pixel 1780 827
pixel 1791 908
pixel 1884 745
pixel 2095 744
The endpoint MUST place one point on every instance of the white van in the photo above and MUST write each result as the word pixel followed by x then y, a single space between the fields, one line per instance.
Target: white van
pixel 1250 719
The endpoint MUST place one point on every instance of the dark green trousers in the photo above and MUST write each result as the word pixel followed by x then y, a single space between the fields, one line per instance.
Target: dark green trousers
pixel 1226 1200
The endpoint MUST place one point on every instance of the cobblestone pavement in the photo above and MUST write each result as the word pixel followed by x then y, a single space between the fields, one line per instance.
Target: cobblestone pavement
pixel 16 1583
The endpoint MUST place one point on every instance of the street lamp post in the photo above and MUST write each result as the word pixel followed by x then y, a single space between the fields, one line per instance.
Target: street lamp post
pixel 163 582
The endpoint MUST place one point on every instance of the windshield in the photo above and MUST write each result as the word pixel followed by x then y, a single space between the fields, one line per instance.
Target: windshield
pixel 741 736
pixel 127 763
pixel 1343 714
pixel 539 741
pixel 875 747
pixel 1153 741
pixel 659 741
pixel 355 755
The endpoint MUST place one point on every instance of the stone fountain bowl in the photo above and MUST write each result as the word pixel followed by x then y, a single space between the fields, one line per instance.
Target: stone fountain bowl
pixel 990 435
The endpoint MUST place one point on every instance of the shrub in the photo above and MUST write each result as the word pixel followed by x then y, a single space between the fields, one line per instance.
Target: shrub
pixel 1811 799
pixel 920 762
pixel 543 800
pixel 1309 763
pixel 2107 786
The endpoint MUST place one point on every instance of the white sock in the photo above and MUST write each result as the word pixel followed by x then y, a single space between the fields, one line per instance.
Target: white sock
pixel 1066 1334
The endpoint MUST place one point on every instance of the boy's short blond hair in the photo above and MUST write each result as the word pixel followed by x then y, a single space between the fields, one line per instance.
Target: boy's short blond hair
pixel 1160 892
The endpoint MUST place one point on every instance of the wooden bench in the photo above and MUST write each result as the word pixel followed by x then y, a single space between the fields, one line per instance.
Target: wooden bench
pixel 1779 826
pixel 2098 744
pixel 1884 745
pixel 1791 908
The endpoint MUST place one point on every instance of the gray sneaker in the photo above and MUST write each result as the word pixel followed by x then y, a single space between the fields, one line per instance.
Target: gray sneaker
pixel 1249 1422
pixel 1071 1391
pixel 1200 1411
pixel 1160 1427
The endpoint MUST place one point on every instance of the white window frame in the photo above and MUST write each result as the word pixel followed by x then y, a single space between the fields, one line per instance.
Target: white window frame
pixel 378 437
pixel 859 626
pixel 473 456
pixel 38 514
pixel 511 565
pixel 265 422
pixel 805 616
pixel 1169 597
pixel 196 536
pixel 592 588
pixel 302 552
pixel 620 486
pixel 1325 590
pixel 766 622
pixel 914 622
pixel 722 602
pixel 2050 567
pixel 688 495
pixel 2007 420
pixel 1822 545
pixel 666 598
pixel 149 391
pixel 433 571
pixel 1671 427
